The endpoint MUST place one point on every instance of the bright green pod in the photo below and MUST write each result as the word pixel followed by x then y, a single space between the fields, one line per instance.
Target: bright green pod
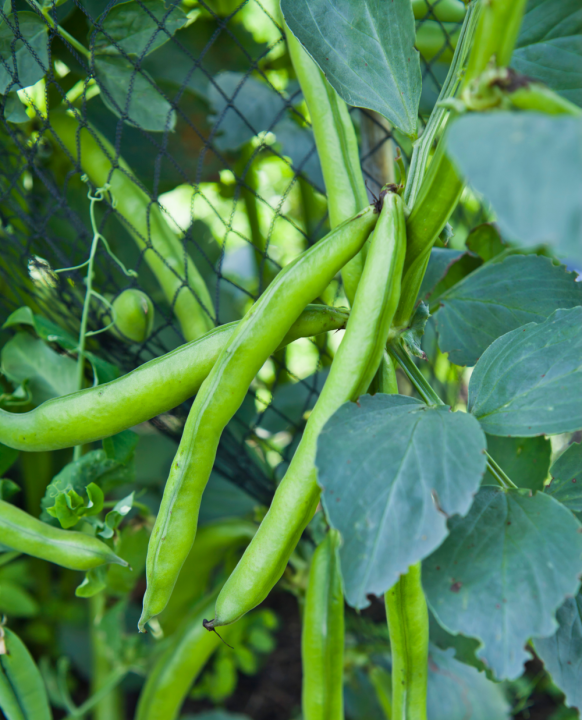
pixel 322 638
pixel 144 221
pixel 133 313
pixel 179 665
pixel 68 548
pixel 153 388
pixel 258 334
pixel 407 616
pixel 22 692
pixel 337 147
pixel 437 40
pixel 443 10
pixel 351 373
pixel 438 196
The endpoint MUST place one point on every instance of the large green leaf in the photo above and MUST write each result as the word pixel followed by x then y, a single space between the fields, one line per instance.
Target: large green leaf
pixel 49 374
pixel 138 28
pixel 562 653
pixel 365 48
pixel 503 572
pixel 391 470
pixel 131 94
pixel 533 179
pixel 566 472
pixel 457 691
pixel 23 61
pixel 549 46
pixel 525 460
pixel 529 381
pixel 499 297
pixel 439 263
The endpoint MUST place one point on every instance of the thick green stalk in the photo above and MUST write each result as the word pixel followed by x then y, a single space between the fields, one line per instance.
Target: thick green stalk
pixel 337 147
pixel 110 706
pixel 407 616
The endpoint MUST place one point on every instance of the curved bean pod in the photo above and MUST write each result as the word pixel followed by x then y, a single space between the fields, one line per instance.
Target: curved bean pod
pixel 256 337
pixel 68 548
pixel 407 616
pixel 322 638
pixel 178 666
pixel 144 221
pixel 351 373
pixel 22 691
pixel 107 409
pixel 337 147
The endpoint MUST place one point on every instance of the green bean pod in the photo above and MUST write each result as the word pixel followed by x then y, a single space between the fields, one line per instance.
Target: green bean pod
pixel 495 36
pixel 179 665
pixel 258 334
pixel 337 147
pixel 438 196
pixel 437 40
pixel 539 98
pixel 322 638
pixel 153 388
pixel 178 276
pixel 22 691
pixel 407 616
pixel 351 373
pixel 68 548
pixel 443 10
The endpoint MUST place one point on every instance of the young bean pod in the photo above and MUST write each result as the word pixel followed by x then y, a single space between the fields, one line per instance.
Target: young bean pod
pixel 134 316
pixel 178 666
pixel 407 616
pixel 221 394
pixel 156 387
pixel 22 692
pixel 68 548
pixel 176 272
pixel 322 639
pixel 351 373
pixel 337 147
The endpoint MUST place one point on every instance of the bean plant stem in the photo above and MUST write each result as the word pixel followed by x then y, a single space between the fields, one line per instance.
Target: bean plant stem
pixel 421 151
pixel 45 12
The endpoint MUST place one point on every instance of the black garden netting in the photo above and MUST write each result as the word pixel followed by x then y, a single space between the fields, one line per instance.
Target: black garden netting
pixel 197 104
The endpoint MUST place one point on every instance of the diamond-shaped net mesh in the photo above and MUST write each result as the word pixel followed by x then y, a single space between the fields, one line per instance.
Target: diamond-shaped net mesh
pixel 196 103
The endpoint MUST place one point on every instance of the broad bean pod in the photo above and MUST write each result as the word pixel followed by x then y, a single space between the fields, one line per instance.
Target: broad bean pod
pixel 258 334
pixel 144 221
pixel 68 548
pixel 407 616
pixel 153 388
pixel 337 148
pixel 178 666
pixel 22 691
pixel 351 373
pixel 322 638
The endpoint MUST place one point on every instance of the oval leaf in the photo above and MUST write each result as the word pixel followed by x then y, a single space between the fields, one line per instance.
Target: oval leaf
pixel 529 381
pixel 562 653
pixel 23 50
pixel 365 48
pixel 534 177
pixel 503 572
pixel 499 297
pixel 549 46
pixel 566 472
pixel 391 469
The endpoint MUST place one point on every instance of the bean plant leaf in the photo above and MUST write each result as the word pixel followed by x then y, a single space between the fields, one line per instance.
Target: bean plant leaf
pixel 562 653
pixel 8 489
pixel 132 95
pixel 8 457
pixel 48 373
pixel 439 263
pixel 566 472
pixel 23 51
pixel 94 582
pixel 549 46
pixel 457 691
pixel 499 297
pixel 525 460
pixel 391 469
pixel 533 180
pixel 485 241
pixel 365 48
pixel 529 381
pixel 77 491
pixel 137 28
pixel 503 572
pixel 14 110
pixel 115 516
